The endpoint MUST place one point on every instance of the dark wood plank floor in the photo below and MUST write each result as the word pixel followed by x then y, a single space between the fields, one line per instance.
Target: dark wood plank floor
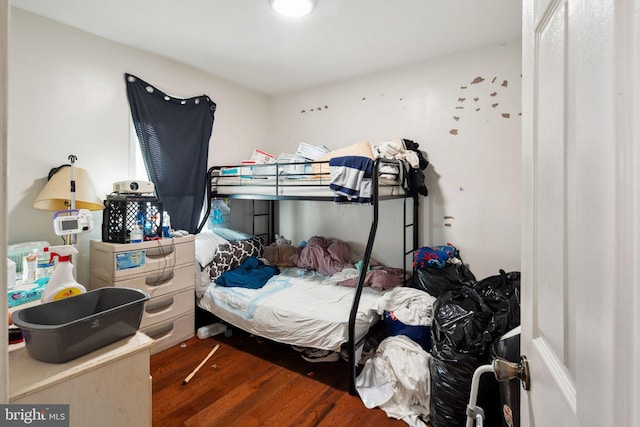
pixel 251 382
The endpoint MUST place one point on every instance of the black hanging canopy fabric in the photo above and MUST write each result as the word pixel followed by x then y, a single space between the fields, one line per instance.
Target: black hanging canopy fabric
pixel 174 139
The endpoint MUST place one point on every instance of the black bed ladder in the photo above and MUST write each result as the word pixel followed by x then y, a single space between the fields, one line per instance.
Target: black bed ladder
pixel 351 344
pixel 270 213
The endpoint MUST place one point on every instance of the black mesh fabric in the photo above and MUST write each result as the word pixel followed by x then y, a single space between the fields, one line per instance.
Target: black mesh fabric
pixel 174 139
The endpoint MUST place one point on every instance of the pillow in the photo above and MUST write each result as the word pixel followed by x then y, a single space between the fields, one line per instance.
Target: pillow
pixel 362 149
pixel 231 255
pixel 280 254
pixel 231 235
pixel 206 244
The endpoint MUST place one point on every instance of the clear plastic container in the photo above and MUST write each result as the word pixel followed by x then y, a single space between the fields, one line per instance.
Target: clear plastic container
pixel 220 215
pixel 211 330
pixel 45 267
pixel 29 266
pixel 136 234
pixel 166 224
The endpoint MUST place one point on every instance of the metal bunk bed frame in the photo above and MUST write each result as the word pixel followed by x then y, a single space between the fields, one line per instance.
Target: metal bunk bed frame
pixel 375 200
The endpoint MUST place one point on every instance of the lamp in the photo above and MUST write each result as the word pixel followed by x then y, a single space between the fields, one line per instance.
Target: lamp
pixel 293 8
pixel 57 193
pixel 68 188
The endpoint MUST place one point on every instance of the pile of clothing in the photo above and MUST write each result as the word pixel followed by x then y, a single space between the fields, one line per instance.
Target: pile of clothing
pixel 415 380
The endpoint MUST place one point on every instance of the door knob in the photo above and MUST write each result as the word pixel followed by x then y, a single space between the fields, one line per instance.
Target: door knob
pixel 506 371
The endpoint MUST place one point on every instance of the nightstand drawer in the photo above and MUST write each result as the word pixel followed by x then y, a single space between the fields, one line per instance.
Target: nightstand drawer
pixel 156 283
pixel 115 261
pixel 171 332
pixel 165 307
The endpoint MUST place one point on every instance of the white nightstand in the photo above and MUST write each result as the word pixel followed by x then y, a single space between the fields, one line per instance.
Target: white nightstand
pixel 162 268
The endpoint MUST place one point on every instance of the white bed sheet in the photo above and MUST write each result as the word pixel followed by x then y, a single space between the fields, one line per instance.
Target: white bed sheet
pixel 295 307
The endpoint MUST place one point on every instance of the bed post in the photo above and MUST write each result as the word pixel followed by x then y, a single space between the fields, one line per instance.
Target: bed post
pixel 208 179
pixel 416 227
pixel 351 345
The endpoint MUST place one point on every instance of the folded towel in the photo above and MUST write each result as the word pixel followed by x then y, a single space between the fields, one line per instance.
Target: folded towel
pixel 351 179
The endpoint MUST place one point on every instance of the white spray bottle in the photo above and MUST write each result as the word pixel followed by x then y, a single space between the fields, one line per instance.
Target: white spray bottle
pixel 62 283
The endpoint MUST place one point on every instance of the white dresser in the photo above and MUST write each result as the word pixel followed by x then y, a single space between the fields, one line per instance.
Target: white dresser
pixel 162 268
pixel 108 387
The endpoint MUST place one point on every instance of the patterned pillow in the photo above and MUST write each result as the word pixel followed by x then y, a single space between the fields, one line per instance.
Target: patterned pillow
pixel 232 255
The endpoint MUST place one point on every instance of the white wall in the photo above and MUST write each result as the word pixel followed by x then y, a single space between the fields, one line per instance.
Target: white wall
pixel 463 128
pixel 67 96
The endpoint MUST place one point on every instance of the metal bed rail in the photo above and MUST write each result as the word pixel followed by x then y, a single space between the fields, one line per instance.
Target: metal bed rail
pixel 213 172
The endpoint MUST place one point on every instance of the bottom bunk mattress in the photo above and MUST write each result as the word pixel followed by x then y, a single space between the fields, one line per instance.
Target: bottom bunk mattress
pixel 296 307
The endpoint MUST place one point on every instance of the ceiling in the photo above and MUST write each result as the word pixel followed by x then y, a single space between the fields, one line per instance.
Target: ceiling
pixel 243 41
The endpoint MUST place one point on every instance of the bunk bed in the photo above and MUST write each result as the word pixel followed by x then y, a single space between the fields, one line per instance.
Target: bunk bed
pixel 312 181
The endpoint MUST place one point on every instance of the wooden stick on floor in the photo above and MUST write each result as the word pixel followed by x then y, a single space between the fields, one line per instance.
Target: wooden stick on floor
pixel 186 380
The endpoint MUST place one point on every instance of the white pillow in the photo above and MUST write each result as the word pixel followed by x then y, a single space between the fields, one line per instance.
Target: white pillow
pixel 230 234
pixel 206 246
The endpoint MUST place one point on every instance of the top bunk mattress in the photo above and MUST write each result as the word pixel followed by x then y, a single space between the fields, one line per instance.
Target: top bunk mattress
pixel 311 180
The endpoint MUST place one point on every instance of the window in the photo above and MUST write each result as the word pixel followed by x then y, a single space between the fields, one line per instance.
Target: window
pixel 137 170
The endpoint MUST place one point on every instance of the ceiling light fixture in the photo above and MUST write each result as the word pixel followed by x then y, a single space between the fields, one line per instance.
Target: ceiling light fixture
pixel 293 8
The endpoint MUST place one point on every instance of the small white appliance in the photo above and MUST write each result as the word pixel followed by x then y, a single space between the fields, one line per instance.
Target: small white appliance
pixel 133 187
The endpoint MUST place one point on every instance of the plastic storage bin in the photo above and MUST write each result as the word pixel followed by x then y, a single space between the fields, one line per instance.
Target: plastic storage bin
pixel 122 214
pixel 508 348
pixel 65 329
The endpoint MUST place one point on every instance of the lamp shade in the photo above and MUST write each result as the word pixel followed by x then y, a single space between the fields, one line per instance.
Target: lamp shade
pixel 56 194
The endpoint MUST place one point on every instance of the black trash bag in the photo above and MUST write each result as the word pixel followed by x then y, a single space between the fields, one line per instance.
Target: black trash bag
pixel 450 388
pixel 502 294
pixel 436 281
pixel 462 323
pixel 462 331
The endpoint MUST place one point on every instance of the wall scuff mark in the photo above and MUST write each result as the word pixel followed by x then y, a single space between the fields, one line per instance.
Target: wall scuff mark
pixel 479 97
pixel 314 109
pixel 447 223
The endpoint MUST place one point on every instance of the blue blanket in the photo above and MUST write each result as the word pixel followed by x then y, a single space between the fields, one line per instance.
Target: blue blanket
pixel 351 179
pixel 252 274
pixel 433 256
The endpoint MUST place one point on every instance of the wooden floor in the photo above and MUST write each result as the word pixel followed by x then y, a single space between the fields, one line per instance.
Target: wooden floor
pixel 250 382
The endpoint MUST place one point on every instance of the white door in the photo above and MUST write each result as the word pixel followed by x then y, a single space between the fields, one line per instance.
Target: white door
pixel 581 209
